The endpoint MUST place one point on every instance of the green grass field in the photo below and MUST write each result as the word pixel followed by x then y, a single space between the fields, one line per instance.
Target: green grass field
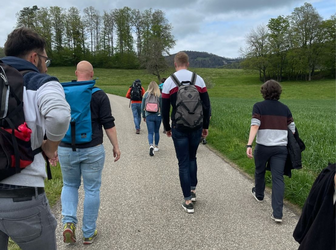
pixel 233 93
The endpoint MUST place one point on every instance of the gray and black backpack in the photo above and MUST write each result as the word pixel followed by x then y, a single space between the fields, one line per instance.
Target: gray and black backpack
pixel 136 91
pixel 189 110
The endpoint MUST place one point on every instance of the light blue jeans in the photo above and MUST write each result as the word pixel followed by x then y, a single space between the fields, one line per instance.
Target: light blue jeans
pixel 136 110
pixel 153 126
pixel 88 163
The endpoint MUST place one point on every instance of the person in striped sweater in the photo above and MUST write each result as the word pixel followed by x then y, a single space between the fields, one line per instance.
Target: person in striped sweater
pixel 270 120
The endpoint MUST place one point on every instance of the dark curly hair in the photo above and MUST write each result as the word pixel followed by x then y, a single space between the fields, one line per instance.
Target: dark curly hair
pixel 22 41
pixel 271 90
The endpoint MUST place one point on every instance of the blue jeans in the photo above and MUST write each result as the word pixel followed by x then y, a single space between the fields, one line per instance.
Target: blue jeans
pixel 29 223
pixel 276 157
pixel 153 126
pixel 136 110
pixel 88 163
pixel 186 145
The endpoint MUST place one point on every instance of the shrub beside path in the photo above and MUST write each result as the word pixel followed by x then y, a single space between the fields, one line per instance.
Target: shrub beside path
pixel 141 201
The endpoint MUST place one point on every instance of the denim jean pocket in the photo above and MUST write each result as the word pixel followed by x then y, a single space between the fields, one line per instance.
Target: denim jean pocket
pixel 24 228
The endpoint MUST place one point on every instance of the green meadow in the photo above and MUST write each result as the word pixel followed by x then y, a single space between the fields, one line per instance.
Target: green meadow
pixel 232 94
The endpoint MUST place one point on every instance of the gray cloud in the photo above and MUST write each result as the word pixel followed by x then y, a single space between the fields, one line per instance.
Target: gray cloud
pixel 224 6
pixel 214 26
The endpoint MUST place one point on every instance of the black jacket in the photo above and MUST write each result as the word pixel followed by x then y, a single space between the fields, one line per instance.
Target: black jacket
pixel 295 146
pixel 315 229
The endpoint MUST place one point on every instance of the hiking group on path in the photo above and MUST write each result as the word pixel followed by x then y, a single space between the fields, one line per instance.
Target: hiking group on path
pixel 47 128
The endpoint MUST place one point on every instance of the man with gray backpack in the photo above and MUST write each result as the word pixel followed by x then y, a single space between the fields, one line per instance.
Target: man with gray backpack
pixel 186 92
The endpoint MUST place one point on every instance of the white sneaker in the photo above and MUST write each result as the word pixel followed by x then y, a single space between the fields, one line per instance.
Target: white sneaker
pixel 156 149
pixel 277 220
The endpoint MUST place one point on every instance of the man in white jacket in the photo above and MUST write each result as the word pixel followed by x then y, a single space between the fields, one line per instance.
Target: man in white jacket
pixel 24 208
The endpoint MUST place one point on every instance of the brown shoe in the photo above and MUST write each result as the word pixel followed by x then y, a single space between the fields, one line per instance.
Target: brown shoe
pixel 137 131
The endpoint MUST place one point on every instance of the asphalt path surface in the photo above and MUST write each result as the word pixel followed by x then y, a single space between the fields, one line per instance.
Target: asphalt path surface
pixel 141 201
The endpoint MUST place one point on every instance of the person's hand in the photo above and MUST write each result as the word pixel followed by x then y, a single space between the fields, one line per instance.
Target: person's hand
pixel 144 119
pixel 49 149
pixel 116 154
pixel 53 162
pixel 169 133
pixel 205 133
pixel 249 153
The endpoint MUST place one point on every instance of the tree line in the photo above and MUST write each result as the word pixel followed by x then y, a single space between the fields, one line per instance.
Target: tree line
pixel 120 38
pixel 300 46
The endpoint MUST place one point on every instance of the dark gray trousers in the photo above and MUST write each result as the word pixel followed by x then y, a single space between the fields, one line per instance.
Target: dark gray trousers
pixel 276 157
pixel 29 223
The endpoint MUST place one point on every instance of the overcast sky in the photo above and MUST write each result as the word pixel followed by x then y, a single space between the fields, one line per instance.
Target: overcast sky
pixel 215 26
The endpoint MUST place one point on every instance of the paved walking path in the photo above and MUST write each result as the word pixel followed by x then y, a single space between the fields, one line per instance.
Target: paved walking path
pixel 141 201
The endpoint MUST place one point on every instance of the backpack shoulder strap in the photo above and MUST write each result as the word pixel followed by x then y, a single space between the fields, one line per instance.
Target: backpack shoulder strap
pixel 193 78
pixel 39 150
pixel 175 80
pixel 95 89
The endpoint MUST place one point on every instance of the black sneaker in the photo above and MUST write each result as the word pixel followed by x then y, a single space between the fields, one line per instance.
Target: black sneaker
pixel 193 196
pixel 254 195
pixel 188 208
pixel 151 151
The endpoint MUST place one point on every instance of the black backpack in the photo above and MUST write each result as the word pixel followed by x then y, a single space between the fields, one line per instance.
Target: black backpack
pixel 15 136
pixel 189 108
pixel 136 91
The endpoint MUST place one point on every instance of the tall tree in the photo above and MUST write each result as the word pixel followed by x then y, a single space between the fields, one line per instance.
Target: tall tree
pixel 27 17
pixel 157 40
pixel 123 22
pixel 278 42
pixel 306 24
pixel 57 17
pixel 138 23
pixel 74 34
pixel 107 33
pixel 257 51
pixel 44 28
pixel 328 28
pixel 92 25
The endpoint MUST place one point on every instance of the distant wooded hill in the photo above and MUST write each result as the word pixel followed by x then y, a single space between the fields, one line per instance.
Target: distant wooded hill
pixel 206 60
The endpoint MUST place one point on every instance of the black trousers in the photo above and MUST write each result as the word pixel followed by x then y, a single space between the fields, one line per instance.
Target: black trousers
pixel 275 156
